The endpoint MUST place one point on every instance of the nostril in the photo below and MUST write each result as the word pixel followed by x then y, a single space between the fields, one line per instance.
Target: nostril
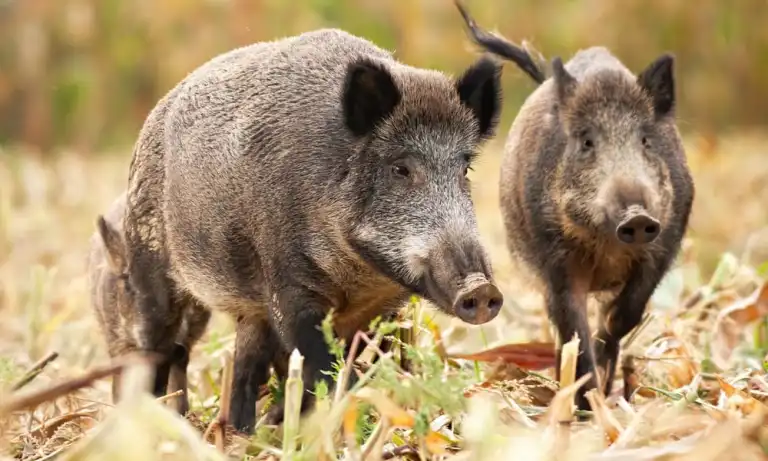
pixel 626 234
pixel 495 304
pixel 469 304
pixel 639 229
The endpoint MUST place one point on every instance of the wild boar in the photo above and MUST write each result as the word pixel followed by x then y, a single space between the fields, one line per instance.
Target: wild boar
pixel 595 191
pixel 113 301
pixel 286 178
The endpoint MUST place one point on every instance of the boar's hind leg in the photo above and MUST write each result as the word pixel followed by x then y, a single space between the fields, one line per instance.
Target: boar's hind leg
pixel 620 316
pixel 196 319
pixel 567 308
pixel 255 349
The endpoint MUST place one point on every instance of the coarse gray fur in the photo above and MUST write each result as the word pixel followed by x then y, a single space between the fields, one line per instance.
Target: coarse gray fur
pixel 285 178
pixel 595 191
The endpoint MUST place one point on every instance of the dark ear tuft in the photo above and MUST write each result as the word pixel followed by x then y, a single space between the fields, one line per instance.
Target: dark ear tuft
pixel 369 96
pixel 564 81
pixel 658 80
pixel 113 243
pixel 479 89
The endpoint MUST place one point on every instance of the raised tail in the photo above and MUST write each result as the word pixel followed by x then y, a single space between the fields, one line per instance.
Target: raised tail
pixel 502 47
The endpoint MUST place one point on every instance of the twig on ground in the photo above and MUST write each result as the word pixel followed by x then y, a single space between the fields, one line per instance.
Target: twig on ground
pixel 35 370
pixel 49 427
pixel 35 398
pixel 219 423
pixel 170 396
pixel 343 377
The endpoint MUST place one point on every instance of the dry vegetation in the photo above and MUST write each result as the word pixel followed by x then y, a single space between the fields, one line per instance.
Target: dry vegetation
pixel 694 387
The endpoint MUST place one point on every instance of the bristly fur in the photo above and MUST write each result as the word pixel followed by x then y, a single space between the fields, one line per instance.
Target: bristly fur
pixel 113 302
pixel 284 179
pixel 586 143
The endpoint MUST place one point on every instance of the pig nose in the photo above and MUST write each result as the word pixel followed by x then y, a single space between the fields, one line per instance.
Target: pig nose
pixel 638 229
pixel 478 304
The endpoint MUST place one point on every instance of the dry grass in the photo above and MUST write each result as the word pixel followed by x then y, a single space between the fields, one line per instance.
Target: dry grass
pixel 682 407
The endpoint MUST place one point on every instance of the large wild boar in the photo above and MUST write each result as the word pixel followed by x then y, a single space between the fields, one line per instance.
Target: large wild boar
pixel 113 301
pixel 595 190
pixel 287 178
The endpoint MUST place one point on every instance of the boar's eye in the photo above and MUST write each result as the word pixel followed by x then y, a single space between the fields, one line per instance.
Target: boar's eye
pixel 646 143
pixel 401 171
pixel 468 163
pixel 587 142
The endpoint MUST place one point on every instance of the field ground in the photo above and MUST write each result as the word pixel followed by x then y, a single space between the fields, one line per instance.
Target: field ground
pixel 48 210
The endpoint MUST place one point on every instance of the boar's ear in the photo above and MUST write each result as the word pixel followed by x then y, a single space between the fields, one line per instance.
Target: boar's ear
pixel 564 81
pixel 659 81
pixel 369 96
pixel 113 243
pixel 479 89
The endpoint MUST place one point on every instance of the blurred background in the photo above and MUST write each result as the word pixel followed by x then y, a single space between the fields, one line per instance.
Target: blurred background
pixel 78 77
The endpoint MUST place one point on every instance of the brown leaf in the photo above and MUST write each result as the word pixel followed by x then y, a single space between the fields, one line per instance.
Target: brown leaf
pixel 436 443
pixel 533 356
pixel 731 322
pixel 672 359
pixel 397 416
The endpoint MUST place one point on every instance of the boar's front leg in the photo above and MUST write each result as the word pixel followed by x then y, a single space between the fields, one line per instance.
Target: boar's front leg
pixel 622 315
pixel 567 308
pixel 255 348
pixel 297 314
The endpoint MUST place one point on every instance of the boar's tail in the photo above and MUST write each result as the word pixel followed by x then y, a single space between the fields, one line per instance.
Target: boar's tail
pixel 502 47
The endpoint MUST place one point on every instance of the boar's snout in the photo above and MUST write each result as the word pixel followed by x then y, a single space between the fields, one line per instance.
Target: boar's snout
pixel 478 300
pixel 638 228
pixel 631 207
pixel 458 279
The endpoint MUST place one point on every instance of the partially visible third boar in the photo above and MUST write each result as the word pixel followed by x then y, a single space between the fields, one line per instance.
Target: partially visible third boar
pixel 287 178
pixel 113 300
pixel 595 190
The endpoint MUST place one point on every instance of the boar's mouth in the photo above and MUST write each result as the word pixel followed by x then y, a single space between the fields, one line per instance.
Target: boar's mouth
pixel 474 298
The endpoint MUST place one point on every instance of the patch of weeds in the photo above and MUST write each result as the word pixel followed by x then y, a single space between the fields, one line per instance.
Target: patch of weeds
pixel 336 347
pixel 430 388
pixel 366 422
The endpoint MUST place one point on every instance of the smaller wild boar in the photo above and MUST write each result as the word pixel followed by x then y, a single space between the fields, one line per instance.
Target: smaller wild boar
pixel 114 305
pixel 595 191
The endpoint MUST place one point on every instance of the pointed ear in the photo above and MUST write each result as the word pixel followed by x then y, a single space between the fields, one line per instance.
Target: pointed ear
pixel 369 96
pixel 113 243
pixel 658 80
pixel 564 81
pixel 479 89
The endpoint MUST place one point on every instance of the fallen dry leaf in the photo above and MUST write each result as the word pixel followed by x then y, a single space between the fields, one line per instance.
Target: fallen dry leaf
pixel 397 416
pixel 533 355
pixel 437 443
pixel 670 353
pixel 731 322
